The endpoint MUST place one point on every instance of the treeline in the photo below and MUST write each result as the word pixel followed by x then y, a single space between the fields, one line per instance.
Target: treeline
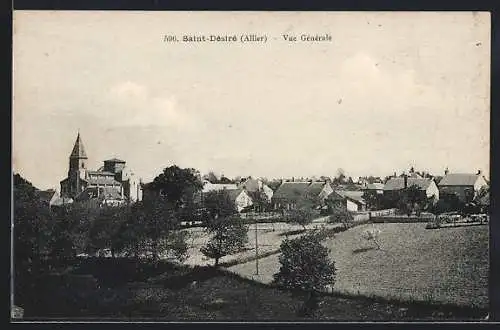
pixel 48 240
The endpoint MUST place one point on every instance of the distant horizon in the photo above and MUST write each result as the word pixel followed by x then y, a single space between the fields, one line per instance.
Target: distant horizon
pixel 382 96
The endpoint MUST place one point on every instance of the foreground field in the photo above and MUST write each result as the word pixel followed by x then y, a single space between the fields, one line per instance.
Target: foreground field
pixel 121 289
pixel 448 265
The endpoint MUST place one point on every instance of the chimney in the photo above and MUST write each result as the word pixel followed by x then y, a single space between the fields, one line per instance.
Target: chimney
pixel 446 171
pixel 478 172
pixel 405 177
pixel 395 175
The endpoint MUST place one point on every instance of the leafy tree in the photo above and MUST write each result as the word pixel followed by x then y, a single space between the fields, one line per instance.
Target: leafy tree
pixel 105 229
pixel 259 199
pixel 305 268
pixel 160 227
pixel 412 199
pixel 229 235
pixel 178 185
pixel 219 204
pixel 300 216
pixel 373 199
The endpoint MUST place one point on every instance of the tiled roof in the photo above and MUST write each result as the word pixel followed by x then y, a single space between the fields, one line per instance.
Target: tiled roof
pixel 314 189
pixel 398 183
pixel 46 195
pixel 335 196
pixel 459 179
pixel 233 193
pixel 375 186
pixel 251 185
pixel 353 195
pixel 291 191
pixel 78 149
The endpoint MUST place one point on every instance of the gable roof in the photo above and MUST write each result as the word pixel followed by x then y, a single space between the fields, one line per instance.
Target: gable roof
pixel 46 195
pixel 353 195
pixel 399 183
pixel 291 191
pixel 459 179
pixel 234 193
pixel 251 185
pixel 314 189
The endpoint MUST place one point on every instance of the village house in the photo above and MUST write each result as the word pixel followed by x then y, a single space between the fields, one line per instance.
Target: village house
pixel 353 200
pixel 290 193
pixel 48 197
pixel 241 198
pixel 376 187
pixel 253 186
pixel 465 185
pixel 395 185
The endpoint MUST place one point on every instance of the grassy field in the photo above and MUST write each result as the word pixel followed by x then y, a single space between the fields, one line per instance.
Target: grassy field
pixel 448 265
pixel 270 236
pixel 203 293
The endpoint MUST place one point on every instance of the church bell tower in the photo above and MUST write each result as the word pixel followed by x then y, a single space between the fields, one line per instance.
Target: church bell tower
pixel 77 167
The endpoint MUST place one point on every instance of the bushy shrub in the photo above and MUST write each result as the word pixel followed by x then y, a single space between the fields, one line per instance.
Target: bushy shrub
pixel 305 269
pixel 301 216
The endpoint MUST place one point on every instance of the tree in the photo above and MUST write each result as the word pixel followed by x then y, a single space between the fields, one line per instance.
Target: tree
pixel 274 184
pixel 178 185
pixel 260 200
pixel 412 199
pixel 300 216
pixel 305 268
pixel 229 235
pixel 219 204
pixel 373 199
pixel 161 228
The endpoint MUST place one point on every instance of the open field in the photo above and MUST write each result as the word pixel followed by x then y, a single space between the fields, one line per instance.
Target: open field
pixel 270 236
pixel 448 265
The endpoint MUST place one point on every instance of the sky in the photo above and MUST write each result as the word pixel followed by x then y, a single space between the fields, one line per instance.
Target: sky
pixel 390 91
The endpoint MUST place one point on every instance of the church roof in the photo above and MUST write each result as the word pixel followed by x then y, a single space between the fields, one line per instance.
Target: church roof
pixel 114 160
pixel 78 149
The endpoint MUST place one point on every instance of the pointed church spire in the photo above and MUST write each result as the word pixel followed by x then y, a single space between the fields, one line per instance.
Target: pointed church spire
pixel 78 149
